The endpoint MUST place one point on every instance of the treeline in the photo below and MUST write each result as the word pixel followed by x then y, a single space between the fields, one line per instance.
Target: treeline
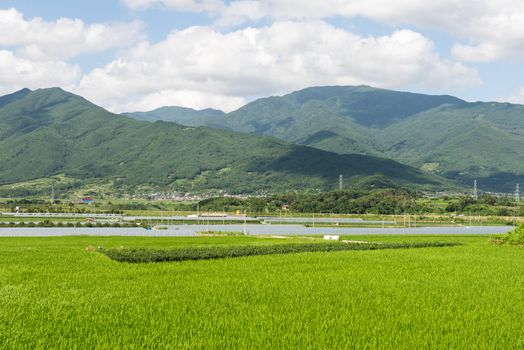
pixel 485 205
pixel 392 201
pixel 380 201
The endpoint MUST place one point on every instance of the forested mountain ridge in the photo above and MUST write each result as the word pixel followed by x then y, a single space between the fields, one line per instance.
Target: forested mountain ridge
pixel 49 132
pixel 439 134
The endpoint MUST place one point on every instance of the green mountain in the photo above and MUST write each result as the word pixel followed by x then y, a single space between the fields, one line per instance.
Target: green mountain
pixel 334 118
pixel 180 115
pixel 440 134
pixel 51 132
pixel 483 141
pixel 4 100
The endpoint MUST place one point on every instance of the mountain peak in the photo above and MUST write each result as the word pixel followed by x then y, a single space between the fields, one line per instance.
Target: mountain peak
pixel 4 100
pixel 53 91
pixel 23 91
pixel 53 96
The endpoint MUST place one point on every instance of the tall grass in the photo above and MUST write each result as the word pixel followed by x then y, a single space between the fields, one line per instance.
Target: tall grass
pixel 514 237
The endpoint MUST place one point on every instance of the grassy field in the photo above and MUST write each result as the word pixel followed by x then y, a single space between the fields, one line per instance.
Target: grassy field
pixel 55 294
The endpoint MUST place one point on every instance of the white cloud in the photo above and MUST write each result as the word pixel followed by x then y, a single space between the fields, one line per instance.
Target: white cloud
pixel 484 52
pixel 64 38
pixel 495 33
pixel 17 73
pixel 485 30
pixel 212 6
pixel 202 67
pixel 517 97
pixel 34 52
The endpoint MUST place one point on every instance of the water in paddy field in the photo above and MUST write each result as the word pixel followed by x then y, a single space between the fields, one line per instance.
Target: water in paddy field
pixel 283 230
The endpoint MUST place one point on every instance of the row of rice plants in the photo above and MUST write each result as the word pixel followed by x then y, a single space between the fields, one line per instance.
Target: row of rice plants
pixel 144 255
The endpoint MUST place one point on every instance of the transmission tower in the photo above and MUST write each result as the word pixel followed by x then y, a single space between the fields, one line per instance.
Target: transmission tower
pixel 517 193
pixel 52 194
pixel 340 182
pixel 475 193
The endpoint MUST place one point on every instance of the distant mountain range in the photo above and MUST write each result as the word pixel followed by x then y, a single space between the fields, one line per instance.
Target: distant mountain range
pixel 180 115
pixel 438 134
pixel 51 132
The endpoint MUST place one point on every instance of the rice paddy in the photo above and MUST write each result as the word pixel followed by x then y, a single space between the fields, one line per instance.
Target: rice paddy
pixel 55 293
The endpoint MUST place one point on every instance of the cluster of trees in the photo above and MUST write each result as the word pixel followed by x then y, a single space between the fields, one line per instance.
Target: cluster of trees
pixel 485 205
pixel 393 201
pixel 389 201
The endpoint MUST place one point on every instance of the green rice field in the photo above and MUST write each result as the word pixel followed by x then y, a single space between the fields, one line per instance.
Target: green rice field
pixel 55 293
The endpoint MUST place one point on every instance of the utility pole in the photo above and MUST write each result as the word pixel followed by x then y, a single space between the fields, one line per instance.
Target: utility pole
pixel 475 193
pixel 340 182
pixel 74 212
pixel 198 213
pixel 245 223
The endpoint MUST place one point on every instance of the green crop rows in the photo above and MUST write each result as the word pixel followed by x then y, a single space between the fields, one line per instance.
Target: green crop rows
pixel 56 294
pixel 141 255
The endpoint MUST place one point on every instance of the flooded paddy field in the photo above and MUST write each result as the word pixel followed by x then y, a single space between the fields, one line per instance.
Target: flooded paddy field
pixel 248 229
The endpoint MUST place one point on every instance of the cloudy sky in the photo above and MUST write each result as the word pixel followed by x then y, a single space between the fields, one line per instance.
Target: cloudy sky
pixel 129 55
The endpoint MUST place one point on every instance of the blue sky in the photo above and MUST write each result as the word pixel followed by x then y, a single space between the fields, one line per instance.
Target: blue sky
pixel 142 54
